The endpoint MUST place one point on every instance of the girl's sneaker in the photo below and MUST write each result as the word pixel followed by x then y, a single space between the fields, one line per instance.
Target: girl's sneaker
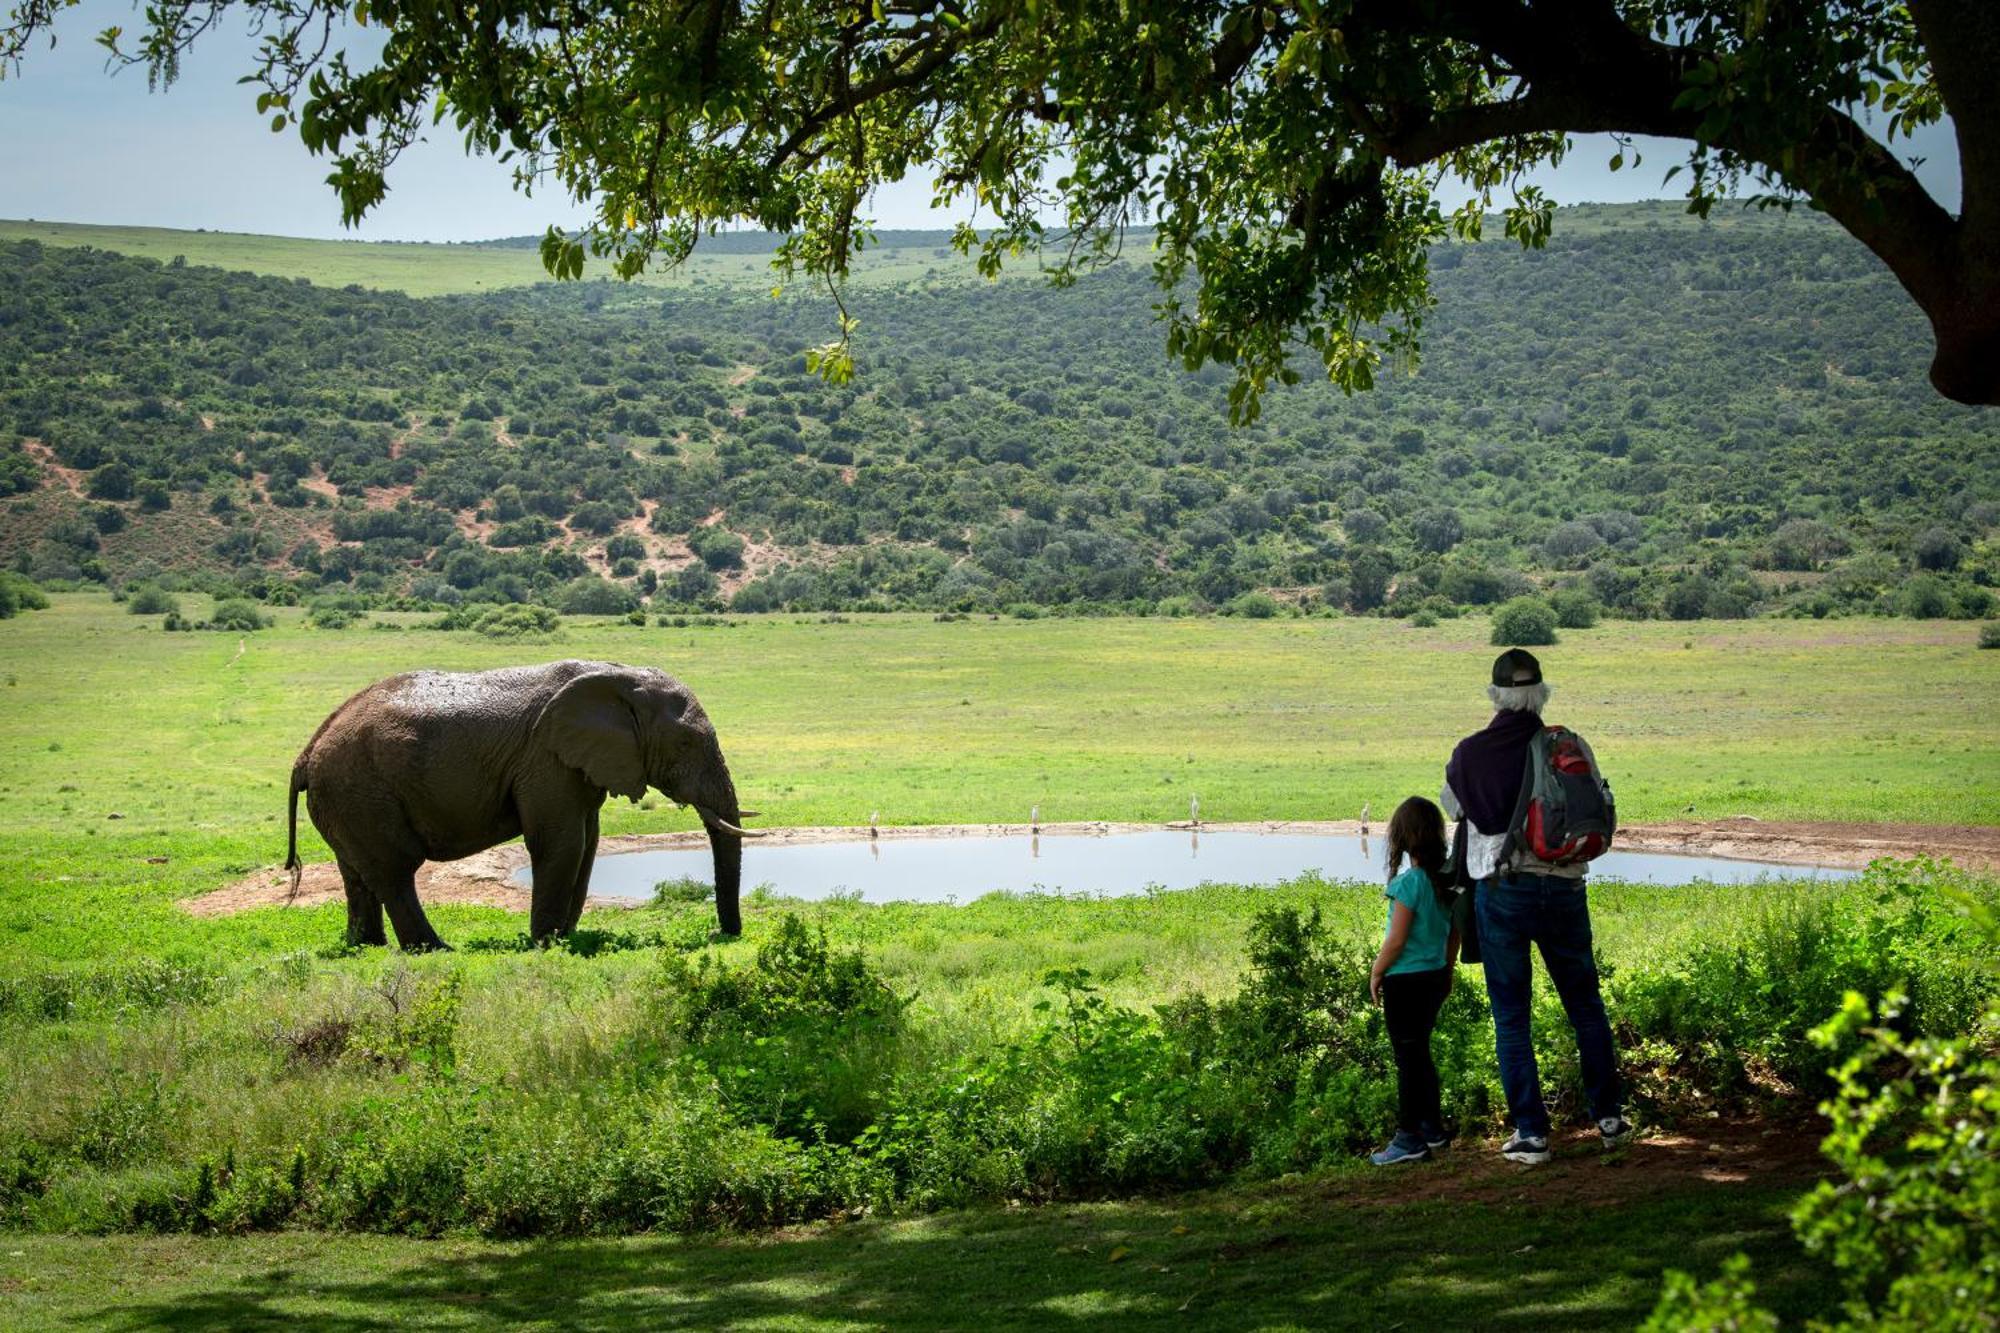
pixel 1435 1138
pixel 1402 1148
pixel 1525 1149
pixel 1616 1129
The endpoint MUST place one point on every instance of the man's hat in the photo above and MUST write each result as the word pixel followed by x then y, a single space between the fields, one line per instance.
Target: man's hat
pixel 1514 667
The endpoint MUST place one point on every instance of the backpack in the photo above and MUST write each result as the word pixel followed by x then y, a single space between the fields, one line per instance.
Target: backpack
pixel 1566 814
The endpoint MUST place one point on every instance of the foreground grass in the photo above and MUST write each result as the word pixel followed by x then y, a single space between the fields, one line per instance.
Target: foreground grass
pixel 1286 1256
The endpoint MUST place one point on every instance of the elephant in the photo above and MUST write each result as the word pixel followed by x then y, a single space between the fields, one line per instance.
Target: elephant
pixel 435 765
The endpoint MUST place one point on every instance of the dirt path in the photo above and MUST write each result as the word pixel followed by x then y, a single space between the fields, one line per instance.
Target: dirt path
pixel 486 878
pixel 1692 1153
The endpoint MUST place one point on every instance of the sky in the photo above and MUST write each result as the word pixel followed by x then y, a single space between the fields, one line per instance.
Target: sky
pixel 80 145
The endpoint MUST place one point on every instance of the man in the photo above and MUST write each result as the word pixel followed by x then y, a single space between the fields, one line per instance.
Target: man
pixel 1520 901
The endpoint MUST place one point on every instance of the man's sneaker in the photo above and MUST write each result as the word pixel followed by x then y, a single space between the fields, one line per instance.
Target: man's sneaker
pixel 1616 1129
pixel 1402 1148
pixel 1436 1139
pixel 1526 1149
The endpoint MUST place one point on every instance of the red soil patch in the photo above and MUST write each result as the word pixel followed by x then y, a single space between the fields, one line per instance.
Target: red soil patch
pixel 71 479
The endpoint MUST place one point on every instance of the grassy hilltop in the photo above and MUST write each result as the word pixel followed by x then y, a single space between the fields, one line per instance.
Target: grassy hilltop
pixel 738 262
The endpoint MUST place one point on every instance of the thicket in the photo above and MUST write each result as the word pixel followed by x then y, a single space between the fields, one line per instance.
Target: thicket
pixel 1666 419
pixel 801 1082
pixel 1912 1222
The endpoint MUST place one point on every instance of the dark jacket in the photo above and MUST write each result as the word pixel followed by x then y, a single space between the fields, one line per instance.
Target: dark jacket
pixel 1486 769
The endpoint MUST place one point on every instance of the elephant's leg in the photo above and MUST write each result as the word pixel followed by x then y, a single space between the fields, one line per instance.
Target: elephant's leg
pixel 398 892
pixel 584 865
pixel 555 851
pixel 364 909
pixel 391 878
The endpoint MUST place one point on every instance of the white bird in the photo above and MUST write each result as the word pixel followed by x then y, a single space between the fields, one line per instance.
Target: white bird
pixel 1034 817
pixel 1194 809
pixel 1364 819
pixel 873 815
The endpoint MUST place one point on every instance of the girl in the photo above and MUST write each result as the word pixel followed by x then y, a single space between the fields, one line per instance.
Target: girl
pixel 1412 975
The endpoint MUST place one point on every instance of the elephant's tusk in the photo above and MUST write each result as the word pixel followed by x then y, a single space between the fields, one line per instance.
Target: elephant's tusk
pixel 717 821
pixel 750 814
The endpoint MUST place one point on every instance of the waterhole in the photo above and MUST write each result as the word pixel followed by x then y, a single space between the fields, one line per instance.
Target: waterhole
pixel 932 870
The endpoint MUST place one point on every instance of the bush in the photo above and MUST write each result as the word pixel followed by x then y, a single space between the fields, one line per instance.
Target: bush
pixel 593 596
pixel 803 1041
pixel 518 621
pixel 1524 622
pixel 717 547
pixel 1255 606
pixel 240 615
pixel 1909 1227
pixel 1924 597
pixel 150 599
pixel 19 593
pixel 1575 609
pixel 337 612
pixel 1989 635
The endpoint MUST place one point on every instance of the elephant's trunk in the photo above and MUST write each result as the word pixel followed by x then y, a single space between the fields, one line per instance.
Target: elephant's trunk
pixel 718 806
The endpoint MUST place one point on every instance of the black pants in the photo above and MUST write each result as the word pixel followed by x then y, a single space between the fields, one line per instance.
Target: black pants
pixel 1410 1004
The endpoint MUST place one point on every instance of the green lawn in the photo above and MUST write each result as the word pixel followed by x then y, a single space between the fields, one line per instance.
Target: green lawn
pixel 1274 1257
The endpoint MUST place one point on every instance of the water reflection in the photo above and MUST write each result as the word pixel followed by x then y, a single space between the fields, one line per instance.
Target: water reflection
pixel 941 869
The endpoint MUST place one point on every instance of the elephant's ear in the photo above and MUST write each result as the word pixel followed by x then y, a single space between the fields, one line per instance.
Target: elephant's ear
pixel 592 726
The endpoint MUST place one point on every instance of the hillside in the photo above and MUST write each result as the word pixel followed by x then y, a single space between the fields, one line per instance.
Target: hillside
pixel 1683 419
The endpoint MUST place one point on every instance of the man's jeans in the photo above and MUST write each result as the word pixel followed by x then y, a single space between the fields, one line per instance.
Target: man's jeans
pixel 1552 912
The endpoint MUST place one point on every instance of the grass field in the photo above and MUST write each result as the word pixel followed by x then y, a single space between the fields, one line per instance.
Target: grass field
pixel 903 258
pixel 136 1041
pixel 973 721
pixel 428 269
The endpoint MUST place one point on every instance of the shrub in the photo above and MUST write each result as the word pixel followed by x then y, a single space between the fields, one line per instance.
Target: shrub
pixel 717 547
pixel 1924 597
pixel 1524 622
pixel 19 593
pixel 1937 548
pixel 519 621
pixel 1255 606
pixel 150 599
pixel 337 612
pixel 802 1041
pixel 240 615
pixel 1989 635
pixel 593 596
pixel 1687 597
pixel 1575 609
pixel 1909 1227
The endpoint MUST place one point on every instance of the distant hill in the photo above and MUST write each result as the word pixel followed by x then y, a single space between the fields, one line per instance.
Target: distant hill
pixel 1655 415
pixel 733 260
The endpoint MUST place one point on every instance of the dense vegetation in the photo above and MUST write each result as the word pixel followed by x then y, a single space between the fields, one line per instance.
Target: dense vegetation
pixel 616 1085
pixel 1676 420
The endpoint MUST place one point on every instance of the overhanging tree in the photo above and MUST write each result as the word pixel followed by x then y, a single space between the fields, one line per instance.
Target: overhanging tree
pixel 1284 151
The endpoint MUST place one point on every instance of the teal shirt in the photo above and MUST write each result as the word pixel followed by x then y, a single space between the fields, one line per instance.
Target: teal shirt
pixel 1423 951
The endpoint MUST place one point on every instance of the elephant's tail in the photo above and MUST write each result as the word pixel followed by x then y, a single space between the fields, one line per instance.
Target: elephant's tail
pixel 292 862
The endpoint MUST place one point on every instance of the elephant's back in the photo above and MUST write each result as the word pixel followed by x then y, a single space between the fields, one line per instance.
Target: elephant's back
pixel 438 713
pixel 460 697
